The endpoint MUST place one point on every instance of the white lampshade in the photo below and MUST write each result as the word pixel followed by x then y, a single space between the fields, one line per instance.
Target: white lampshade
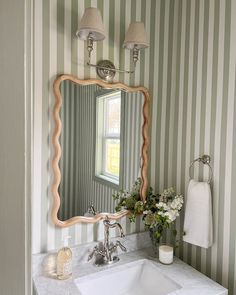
pixel 136 35
pixel 91 23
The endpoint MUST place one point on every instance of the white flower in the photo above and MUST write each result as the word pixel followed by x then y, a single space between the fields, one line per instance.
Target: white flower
pixel 145 212
pixel 162 205
pixel 161 213
pixel 177 203
pixel 171 215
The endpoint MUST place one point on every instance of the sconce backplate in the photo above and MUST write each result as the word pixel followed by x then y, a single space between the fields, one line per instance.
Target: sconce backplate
pixel 106 70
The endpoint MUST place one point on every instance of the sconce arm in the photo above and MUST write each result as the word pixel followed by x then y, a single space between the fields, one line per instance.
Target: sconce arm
pixel 110 69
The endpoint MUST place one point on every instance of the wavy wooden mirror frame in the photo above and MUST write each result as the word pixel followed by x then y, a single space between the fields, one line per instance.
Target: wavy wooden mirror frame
pixel 57 148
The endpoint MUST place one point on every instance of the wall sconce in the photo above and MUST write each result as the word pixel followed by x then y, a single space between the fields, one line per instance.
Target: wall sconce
pixel 91 29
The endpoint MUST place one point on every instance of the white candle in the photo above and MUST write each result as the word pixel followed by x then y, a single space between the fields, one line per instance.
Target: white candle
pixel 166 254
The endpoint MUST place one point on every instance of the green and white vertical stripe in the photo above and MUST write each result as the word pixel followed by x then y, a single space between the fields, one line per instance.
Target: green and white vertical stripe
pixel 191 73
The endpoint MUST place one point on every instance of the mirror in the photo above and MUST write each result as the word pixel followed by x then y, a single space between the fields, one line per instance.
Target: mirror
pixel 100 144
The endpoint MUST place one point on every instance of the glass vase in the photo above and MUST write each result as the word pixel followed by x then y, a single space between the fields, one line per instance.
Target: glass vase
pixel 155 237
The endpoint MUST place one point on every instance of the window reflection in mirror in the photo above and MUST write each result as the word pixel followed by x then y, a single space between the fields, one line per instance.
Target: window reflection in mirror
pixel 109 130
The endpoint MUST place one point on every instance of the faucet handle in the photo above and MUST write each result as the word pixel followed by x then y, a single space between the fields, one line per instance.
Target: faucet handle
pixel 122 247
pixel 95 249
pixel 122 235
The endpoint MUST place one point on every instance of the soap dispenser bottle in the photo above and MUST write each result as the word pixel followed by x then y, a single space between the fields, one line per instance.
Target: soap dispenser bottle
pixel 64 261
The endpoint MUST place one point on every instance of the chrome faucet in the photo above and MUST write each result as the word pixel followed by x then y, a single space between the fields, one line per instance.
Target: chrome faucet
pixel 104 254
pixel 91 210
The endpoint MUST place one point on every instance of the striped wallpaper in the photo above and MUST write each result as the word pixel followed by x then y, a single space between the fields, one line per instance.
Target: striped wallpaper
pixel 78 188
pixel 190 71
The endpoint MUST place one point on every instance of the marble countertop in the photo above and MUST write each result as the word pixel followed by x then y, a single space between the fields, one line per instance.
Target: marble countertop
pixel 192 281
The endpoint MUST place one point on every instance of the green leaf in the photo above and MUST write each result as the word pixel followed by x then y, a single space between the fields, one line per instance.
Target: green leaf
pixel 132 218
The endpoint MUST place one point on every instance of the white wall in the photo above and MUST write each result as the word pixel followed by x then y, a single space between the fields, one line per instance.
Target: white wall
pixel 15 278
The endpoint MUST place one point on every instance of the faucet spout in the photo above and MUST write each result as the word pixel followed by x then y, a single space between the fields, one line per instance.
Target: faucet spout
pixel 108 224
pixel 122 235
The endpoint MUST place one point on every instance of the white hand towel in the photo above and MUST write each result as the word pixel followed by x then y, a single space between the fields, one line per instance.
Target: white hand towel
pixel 198 215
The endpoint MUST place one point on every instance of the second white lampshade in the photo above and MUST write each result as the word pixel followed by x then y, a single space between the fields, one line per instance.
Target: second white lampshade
pixel 136 36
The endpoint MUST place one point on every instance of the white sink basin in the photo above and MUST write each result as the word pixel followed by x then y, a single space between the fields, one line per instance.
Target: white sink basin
pixel 135 278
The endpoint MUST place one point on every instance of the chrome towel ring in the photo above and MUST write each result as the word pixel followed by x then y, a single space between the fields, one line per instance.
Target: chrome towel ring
pixel 205 159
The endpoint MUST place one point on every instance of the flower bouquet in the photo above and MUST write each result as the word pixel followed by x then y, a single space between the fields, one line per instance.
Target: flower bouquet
pixel 159 210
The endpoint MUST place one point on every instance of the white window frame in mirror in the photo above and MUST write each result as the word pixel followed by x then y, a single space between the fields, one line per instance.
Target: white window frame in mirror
pixel 100 173
pixel 57 149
